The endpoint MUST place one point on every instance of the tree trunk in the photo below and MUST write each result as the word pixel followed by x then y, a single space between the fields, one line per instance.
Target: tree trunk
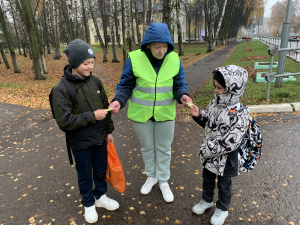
pixel 33 34
pixel 131 24
pixel 102 7
pixel 98 33
pixel 15 27
pixel 216 36
pixel 86 29
pixel 8 40
pixel 112 33
pixel 4 57
pixel 138 34
pixel 168 15
pixel 123 31
pixel 145 9
pixel 116 22
pixel 180 47
pixel 52 10
pixel 128 28
pixel 209 11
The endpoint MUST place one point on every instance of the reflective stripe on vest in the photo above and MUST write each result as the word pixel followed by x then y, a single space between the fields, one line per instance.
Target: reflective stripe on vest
pixel 153 94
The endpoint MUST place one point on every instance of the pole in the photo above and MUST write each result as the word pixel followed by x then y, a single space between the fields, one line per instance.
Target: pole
pixel 269 82
pixel 283 44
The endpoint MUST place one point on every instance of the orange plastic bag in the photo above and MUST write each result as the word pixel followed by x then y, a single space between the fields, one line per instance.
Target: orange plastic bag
pixel 114 172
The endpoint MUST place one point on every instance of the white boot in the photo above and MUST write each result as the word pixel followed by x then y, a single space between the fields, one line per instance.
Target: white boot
pixel 219 217
pixel 90 214
pixel 107 203
pixel 147 187
pixel 202 206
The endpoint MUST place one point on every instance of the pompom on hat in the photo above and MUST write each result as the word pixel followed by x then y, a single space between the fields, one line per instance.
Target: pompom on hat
pixel 77 52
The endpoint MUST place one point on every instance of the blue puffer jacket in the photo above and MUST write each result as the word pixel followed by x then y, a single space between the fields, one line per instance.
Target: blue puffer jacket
pixel 156 32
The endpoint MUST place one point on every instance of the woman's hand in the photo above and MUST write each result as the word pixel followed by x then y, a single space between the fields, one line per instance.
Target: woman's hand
pixel 115 106
pixel 185 99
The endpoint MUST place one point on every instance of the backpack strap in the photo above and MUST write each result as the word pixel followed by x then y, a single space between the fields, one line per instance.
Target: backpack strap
pixel 97 82
pixel 71 90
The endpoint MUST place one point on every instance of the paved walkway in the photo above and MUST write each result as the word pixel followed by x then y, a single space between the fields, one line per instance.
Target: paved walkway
pixel 38 186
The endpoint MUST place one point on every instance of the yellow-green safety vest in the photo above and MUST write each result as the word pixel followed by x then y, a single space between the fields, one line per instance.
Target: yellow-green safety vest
pixel 153 93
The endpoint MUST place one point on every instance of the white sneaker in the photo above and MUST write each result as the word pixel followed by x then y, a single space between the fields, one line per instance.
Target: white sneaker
pixel 166 192
pixel 202 206
pixel 147 187
pixel 107 203
pixel 219 217
pixel 90 214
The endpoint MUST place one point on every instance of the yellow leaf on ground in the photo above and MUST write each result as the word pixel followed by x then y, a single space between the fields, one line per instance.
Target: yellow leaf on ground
pixel 31 220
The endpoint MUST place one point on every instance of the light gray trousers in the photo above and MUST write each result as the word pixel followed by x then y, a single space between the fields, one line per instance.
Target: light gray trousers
pixel 156 139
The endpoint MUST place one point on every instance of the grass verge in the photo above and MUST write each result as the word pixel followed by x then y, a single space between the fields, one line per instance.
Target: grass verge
pixel 246 54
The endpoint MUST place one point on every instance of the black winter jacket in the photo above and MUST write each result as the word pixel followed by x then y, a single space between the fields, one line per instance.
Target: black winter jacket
pixel 78 120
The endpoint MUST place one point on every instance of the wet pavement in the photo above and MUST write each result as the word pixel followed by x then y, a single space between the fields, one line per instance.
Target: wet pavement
pixel 38 185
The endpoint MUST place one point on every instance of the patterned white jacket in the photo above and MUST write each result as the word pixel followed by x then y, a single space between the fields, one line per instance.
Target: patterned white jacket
pixel 224 133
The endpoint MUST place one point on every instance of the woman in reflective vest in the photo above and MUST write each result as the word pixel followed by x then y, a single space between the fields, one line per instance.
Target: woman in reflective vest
pixel 152 79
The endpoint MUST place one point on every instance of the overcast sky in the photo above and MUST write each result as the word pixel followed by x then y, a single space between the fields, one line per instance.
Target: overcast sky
pixel 268 7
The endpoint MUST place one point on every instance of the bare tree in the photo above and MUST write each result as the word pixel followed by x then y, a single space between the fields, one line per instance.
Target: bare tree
pixel 112 32
pixel 14 13
pixel 34 38
pixel 128 24
pixel 4 57
pixel 180 47
pixel 137 22
pixel 87 39
pixel 8 39
pixel 145 10
pixel 116 22
pixel 123 30
pixel 104 50
pixel 52 14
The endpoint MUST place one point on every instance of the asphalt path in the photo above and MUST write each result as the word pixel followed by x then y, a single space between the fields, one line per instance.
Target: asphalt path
pixel 38 185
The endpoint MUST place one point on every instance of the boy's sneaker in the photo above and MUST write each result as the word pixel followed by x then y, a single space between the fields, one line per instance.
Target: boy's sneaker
pixel 147 187
pixel 166 192
pixel 219 217
pixel 202 206
pixel 90 214
pixel 107 203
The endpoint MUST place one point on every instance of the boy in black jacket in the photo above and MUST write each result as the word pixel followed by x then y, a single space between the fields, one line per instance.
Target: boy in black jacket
pixel 88 126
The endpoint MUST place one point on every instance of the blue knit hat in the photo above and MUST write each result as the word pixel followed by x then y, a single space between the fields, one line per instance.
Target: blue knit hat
pixel 77 52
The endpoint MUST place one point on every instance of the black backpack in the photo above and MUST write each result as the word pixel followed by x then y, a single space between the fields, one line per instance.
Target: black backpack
pixel 72 95
pixel 249 151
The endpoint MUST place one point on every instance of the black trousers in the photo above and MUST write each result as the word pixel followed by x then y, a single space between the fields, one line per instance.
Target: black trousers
pixel 224 185
pixel 91 168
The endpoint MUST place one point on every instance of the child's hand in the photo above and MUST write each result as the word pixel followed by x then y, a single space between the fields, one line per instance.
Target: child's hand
pixel 100 114
pixel 194 110
pixel 110 138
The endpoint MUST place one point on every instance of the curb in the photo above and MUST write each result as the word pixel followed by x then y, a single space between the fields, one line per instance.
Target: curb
pixel 285 107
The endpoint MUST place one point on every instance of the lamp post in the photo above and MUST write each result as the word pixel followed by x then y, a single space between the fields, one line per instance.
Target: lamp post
pixel 284 44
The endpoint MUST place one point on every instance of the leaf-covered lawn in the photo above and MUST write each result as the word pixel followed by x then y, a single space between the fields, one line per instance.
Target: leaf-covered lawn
pixel 23 89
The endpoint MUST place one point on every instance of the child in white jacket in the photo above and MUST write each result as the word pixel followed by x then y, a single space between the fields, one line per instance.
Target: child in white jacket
pixel 223 135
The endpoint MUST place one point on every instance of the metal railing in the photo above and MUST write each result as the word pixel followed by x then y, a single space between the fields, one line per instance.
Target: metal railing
pixel 270 76
pixel 293 46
